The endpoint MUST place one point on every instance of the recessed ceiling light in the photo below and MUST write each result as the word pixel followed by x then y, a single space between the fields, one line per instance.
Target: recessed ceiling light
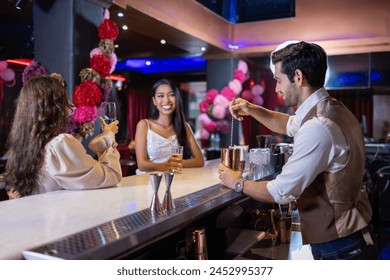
pixel 116 46
pixel 148 63
pixel 163 42
pixel 203 49
pixel 124 27
pixel 120 14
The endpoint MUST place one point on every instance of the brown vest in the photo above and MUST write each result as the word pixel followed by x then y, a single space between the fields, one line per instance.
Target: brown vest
pixel 334 205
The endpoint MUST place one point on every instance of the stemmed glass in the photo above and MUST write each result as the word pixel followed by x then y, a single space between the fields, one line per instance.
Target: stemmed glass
pixel 108 112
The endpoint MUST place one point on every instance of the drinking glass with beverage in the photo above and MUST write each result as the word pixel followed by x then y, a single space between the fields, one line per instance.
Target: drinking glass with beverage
pixel 177 153
pixel 108 112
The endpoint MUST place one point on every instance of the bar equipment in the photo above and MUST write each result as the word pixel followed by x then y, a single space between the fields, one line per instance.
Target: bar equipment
pixel 168 205
pixel 196 247
pixel 264 141
pixel 230 157
pixel 155 180
pixel 259 163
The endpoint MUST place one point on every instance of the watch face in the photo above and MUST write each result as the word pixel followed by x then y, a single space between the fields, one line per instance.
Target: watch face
pixel 239 186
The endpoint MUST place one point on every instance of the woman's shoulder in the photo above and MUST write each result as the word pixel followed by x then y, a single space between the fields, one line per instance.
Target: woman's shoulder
pixel 63 139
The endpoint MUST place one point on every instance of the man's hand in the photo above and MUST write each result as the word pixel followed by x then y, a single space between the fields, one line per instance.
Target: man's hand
pixel 228 176
pixel 238 108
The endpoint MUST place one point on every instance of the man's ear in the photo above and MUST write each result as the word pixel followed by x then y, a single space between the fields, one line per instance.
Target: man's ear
pixel 299 77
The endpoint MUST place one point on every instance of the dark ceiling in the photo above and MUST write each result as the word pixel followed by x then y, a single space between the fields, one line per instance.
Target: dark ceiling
pixel 142 39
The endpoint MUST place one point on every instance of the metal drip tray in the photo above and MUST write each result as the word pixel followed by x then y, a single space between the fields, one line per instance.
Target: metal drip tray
pixel 132 232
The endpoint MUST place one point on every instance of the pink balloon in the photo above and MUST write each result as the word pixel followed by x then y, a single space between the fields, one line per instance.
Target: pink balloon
pixel 258 100
pixel 242 66
pixel 221 100
pixel 211 94
pixel 228 93
pixel 204 119
pixel 218 112
pixel 236 86
pixel 3 65
pixel 8 75
pixel 204 134
pixel 257 89
pixel 247 95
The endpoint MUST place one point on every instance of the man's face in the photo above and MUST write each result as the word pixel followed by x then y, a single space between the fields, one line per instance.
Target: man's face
pixel 288 90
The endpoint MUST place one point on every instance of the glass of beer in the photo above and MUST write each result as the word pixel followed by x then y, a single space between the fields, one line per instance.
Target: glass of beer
pixel 177 153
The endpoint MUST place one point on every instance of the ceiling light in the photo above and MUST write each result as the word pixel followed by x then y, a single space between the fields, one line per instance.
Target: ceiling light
pixel 120 14
pixel 148 63
pixel 116 46
pixel 203 49
pixel 163 42
pixel 124 27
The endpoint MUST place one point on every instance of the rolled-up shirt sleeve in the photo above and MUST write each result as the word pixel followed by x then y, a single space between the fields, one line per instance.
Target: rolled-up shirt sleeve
pixel 313 152
pixel 69 165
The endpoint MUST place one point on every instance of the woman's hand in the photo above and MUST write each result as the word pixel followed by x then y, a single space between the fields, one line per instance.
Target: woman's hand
pixel 13 194
pixel 228 176
pixel 174 164
pixel 239 107
pixel 109 127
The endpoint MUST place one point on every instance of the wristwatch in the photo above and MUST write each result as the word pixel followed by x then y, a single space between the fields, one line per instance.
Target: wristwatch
pixel 239 186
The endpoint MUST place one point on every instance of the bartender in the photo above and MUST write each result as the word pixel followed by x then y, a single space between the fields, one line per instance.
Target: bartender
pixel 325 172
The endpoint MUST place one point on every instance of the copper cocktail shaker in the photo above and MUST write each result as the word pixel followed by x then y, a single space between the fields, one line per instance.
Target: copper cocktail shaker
pixel 230 157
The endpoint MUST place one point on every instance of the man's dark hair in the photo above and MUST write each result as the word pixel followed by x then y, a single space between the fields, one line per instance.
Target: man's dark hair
pixel 310 58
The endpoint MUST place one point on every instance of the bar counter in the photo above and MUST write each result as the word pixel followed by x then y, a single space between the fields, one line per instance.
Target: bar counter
pixel 104 223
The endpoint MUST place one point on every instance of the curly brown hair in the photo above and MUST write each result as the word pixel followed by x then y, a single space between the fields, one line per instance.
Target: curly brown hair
pixel 41 114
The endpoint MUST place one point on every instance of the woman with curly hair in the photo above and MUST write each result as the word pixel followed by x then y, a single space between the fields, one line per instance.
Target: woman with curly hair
pixel 42 158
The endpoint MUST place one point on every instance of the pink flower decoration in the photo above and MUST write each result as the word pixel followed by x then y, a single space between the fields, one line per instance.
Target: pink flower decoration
pixel 210 95
pixel 204 119
pixel 221 100
pixel 95 51
pixel 242 66
pixel 218 112
pixel 85 114
pixel 228 93
pixel 257 89
pixel 258 100
pixel 235 86
pixel 203 106
pixel 239 75
pixel 247 95
pixel 113 59
pixel 204 134
pixel 211 127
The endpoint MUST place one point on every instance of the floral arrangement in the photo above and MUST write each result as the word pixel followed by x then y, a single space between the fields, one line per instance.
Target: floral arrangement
pixel 214 109
pixel 95 84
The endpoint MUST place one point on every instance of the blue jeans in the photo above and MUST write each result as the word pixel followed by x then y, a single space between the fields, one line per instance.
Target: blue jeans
pixel 352 247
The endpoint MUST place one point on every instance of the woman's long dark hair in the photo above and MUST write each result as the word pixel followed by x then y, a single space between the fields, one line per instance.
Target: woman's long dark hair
pixel 178 119
pixel 41 114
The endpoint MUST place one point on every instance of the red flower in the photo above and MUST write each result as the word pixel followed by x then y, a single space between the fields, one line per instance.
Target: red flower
pixel 108 30
pixel 101 63
pixel 87 94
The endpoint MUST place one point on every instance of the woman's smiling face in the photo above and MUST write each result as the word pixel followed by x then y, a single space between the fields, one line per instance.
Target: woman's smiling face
pixel 164 99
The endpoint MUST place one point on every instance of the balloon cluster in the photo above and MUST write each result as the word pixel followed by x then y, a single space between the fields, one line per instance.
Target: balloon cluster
pixel 95 84
pixel 7 75
pixel 214 109
pixel 7 78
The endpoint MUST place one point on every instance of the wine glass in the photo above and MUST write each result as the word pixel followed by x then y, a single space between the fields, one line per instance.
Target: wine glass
pixel 108 112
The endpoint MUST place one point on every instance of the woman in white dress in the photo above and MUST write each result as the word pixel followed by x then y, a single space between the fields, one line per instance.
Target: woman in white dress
pixel 42 158
pixel 166 128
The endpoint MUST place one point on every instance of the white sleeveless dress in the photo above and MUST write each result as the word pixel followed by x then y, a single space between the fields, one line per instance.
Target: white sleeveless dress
pixel 158 147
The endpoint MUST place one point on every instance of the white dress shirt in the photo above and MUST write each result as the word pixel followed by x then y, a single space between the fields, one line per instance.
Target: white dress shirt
pixel 319 145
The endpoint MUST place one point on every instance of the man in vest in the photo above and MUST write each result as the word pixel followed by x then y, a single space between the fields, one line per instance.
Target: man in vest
pixel 325 171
